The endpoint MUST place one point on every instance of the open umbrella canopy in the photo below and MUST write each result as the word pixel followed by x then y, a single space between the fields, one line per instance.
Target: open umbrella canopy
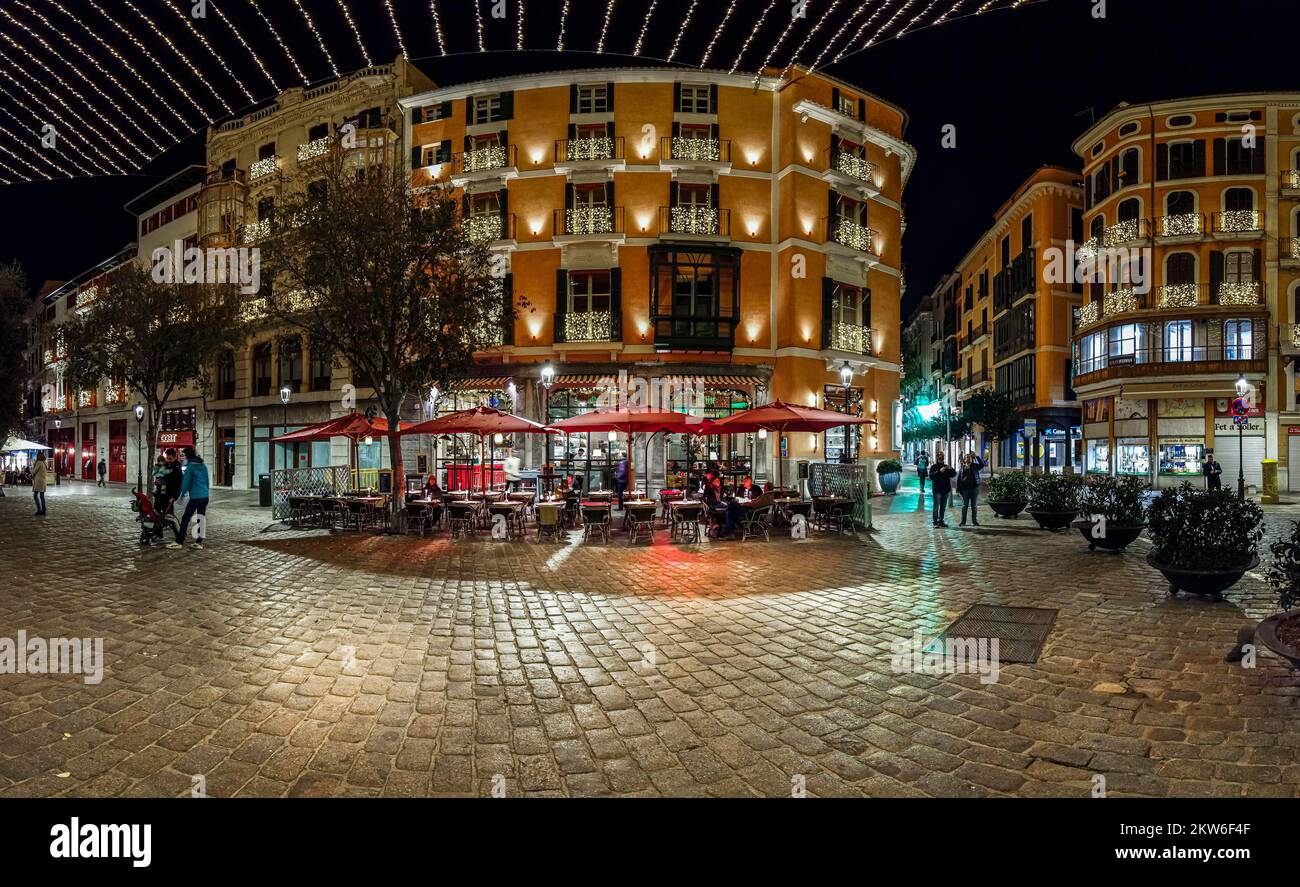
pixel 17 444
pixel 784 417
pixel 353 425
pixel 480 421
pixel 636 420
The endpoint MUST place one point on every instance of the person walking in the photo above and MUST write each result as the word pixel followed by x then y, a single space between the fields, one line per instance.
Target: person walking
pixel 620 480
pixel 39 473
pixel 103 470
pixel 922 469
pixel 1213 472
pixel 941 475
pixel 195 483
pixel 968 484
pixel 513 466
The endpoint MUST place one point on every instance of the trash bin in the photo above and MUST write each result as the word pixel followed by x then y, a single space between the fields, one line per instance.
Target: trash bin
pixel 386 482
pixel 264 490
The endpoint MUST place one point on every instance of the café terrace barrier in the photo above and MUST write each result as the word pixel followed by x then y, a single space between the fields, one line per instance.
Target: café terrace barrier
pixel 849 481
pixel 328 480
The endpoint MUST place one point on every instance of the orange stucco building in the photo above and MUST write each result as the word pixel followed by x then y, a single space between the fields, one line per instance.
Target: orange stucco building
pixel 692 239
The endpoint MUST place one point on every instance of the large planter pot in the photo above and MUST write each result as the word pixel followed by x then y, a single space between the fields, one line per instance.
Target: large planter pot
pixel 1117 538
pixel 1268 633
pixel 1205 583
pixel 889 482
pixel 1053 520
pixel 1007 509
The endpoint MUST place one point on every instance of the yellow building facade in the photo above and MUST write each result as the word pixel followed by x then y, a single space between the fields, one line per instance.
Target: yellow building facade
pixel 1198 198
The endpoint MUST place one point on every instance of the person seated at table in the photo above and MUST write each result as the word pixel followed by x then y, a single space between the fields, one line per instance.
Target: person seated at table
pixel 431 488
pixel 769 487
pixel 748 490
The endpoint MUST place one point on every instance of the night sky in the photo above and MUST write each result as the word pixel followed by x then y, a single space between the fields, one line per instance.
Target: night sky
pixel 1018 85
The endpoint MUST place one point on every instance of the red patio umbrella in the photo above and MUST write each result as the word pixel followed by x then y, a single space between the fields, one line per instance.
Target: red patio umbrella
pixel 781 418
pixel 630 420
pixel 481 421
pixel 353 426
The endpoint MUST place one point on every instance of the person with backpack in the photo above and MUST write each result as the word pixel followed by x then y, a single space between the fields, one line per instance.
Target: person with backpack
pixel 195 483
pixel 922 469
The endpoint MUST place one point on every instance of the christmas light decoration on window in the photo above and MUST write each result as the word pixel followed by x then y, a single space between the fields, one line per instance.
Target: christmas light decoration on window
pixel 852 165
pixel 313 149
pixel 1237 220
pixel 1181 225
pixel 589 220
pixel 856 236
pixel 1120 301
pixel 1178 295
pixel 1246 292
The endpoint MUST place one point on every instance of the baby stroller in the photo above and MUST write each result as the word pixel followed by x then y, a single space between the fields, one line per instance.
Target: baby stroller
pixel 153 526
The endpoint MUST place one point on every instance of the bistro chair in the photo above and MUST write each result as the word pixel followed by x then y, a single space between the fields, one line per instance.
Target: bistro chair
pixel 514 515
pixel 332 514
pixel 686 523
pixel 641 519
pixel 595 519
pixel 549 515
pixel 417 519
pixel 462 519
pixel 758 522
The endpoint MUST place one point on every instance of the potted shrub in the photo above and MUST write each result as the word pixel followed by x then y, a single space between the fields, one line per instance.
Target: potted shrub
pixel 1007 493
pixel 890 472
pixel 1114 511
pixel 1281 632
pixel 1203 541
pixel 1054 499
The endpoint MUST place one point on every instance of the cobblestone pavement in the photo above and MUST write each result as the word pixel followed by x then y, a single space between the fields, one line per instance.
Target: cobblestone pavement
pixel 294 663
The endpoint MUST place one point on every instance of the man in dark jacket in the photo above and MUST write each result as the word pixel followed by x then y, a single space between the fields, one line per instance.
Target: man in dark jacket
pixel 171 484
pixel 922 469
pixel 968 484
pixel 941 475
pixel 1213 472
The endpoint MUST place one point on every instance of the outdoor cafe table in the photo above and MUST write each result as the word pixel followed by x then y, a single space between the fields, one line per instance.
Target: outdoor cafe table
pixel 630 504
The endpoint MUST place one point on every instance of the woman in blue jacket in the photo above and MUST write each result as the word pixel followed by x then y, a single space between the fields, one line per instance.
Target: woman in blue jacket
pixel 195 483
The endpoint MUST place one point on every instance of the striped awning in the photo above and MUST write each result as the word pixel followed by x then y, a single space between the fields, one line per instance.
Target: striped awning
pixel 724 381
pixel 580 380
pixel 480 383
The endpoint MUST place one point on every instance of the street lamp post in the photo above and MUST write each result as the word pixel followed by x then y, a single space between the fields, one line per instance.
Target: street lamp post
pixel 1243 387
pixel 139 448
pixel 58 423
pixel 846 379
pixel 548 379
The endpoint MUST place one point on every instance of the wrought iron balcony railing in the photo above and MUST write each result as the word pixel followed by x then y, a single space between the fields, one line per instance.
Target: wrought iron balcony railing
pixel 594 149
pixel 584 326
pixel 706 221
pixel 1089 314
pixel 847 232
pixel 263 168
pixel 1163 359
pixel 1178 295
pixel 1289 249
pixel 488 159
pixel 1124 233
pixel 852 337
pixel 1120 301
pixel 853 166
pixel 1242 293
pixel 489 226
pixel 588 220
pixel 1183 225
pixel 1290 180
pixel 1238 221
pixel 255 231
pixel 693 150
pixel 315 148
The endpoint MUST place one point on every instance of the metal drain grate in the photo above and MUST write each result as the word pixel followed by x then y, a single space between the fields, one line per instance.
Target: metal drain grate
pixel 1021 631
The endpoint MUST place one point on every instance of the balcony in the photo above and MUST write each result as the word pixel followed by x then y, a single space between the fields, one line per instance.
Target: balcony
pixel 973 335
pixel 263 168
pixel 584 326
pixel 575 155
pixel 975 379
pixel 491 162
pixel 695 221
pixel 1178 360
pixel 1190 225
pixel 1290 182
pixel 1088 314
pixel 86 298
pixel 255 231
pixel 1121 301
pixel 1290 342
pixel 1289 252
pixel 598 222
pixel 677 152
pixel 851 337
pixel 1179 295
pixel 1125 233
pixel 309 151
pixel 853 235
pixel 1240 294
pixel 490 227
pixel 221 207
pixel 1239 223
pixel 849 170
pixel 1016 280
pixel 1087 251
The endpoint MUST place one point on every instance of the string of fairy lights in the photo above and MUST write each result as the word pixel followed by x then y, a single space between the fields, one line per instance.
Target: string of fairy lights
pixel 118 82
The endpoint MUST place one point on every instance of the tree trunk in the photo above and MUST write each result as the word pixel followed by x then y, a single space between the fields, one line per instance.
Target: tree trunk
pixel 397 501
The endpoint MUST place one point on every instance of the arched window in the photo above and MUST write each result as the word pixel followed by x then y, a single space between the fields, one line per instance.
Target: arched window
pixel 1097 227
pixel 226 375
pixel 1238 199
pixel 1178 340
pixel 1180 268
pixel 291 363
pixel 1128 166
pixel 1129 209
pixel 262 369
pixel 1180 203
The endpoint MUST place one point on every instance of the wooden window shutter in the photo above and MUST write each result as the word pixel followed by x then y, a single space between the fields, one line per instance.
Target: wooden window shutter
pixel 616 304
pixel 445 112
pixel 714 132
pixel 568 195
pixel 573 98
pixel 609 96
pixel 828 308
pixel 469 109
pixel 1257 156
pixel 866 307
pixel 609 134
pixel 713 195
pixel 417 116
pixel 1220 156
pixel 1216 274
pixel 417 157
pixel 862 110
pixel 609 193
pixel 677 96
pixel 1162 162
pixel 507 105
pixel 508 310
pixel 835 98
pixel 1198 157
pixel 677 129
pixel 505 214
pixel 674 193
pixel 713 98
pixel 1257 267
pixel 832 204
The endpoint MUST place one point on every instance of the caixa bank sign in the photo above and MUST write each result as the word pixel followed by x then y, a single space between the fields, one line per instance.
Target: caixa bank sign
pixel 175 438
